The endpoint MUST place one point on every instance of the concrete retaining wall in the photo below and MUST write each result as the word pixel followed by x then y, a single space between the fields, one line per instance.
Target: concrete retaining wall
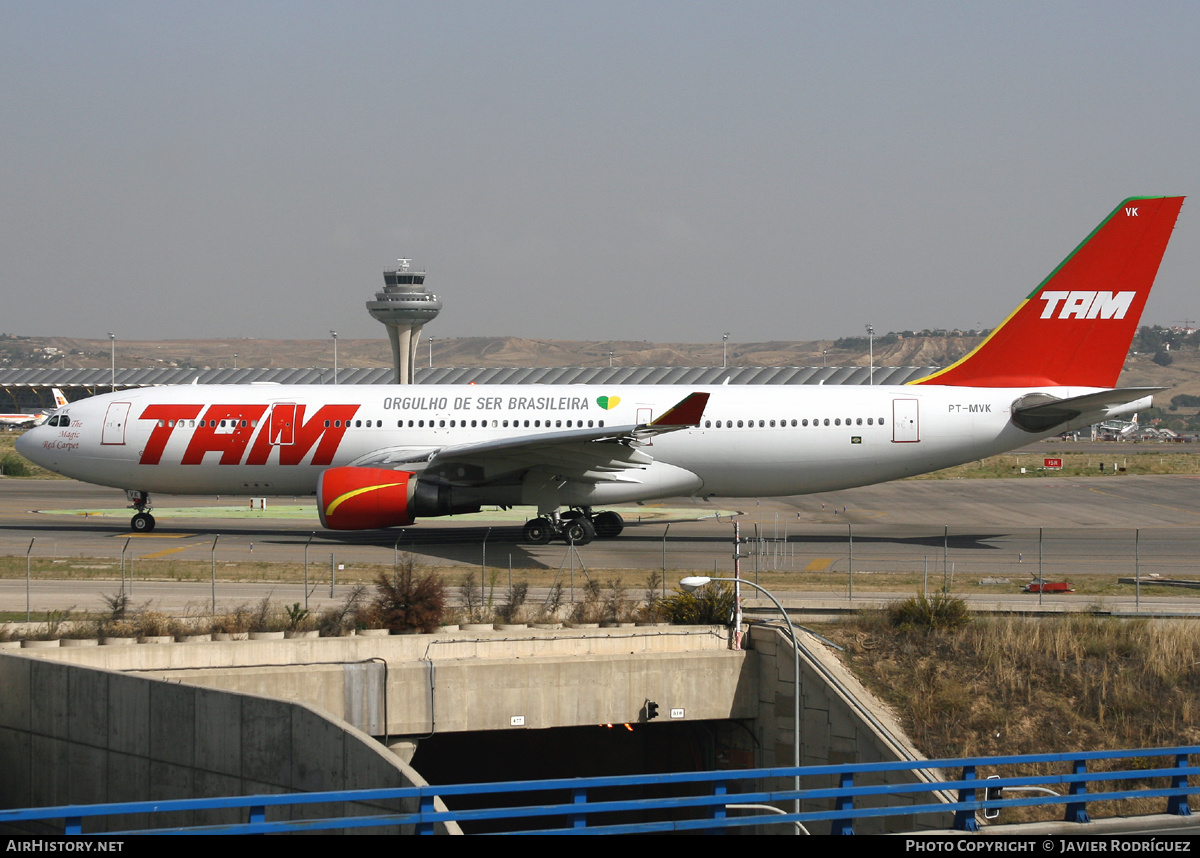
pixel 71 734
pixel 832 730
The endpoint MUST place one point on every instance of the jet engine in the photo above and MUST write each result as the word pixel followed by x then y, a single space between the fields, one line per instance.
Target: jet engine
pixel 365 498
pixel 354 498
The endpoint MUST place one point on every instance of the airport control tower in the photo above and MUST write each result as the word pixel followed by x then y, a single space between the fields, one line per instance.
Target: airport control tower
pixel 404 306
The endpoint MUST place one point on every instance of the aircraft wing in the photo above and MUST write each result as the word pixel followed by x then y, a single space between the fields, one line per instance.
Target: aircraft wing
pixel 597 454
pixel 1039 412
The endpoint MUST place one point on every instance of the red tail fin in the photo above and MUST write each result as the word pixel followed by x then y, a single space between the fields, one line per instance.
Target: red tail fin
pixel 1075 328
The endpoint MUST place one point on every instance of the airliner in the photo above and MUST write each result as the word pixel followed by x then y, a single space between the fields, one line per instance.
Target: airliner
pixel 33 419
pixel 384 456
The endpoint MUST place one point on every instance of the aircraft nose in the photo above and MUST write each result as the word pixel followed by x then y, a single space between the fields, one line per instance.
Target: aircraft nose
pixel 28 444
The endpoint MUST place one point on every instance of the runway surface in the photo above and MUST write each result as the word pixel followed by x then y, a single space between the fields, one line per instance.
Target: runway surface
pixel 970 529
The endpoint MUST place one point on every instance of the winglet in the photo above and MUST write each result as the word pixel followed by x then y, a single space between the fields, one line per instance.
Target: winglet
pixel 687 412
pixel 1075 329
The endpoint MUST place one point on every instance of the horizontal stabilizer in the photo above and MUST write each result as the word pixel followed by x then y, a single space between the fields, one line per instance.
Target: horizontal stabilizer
pixel 1041 412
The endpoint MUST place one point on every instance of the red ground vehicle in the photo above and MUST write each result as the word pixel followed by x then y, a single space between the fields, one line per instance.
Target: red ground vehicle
pixel 1039 586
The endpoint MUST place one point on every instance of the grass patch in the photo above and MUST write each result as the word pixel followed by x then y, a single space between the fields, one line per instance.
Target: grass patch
pixel 1074 465
pixel 235 569
pixel 13 464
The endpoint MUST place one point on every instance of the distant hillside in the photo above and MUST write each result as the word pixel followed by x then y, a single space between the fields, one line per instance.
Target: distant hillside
pixel 1182 376
pixel 468 351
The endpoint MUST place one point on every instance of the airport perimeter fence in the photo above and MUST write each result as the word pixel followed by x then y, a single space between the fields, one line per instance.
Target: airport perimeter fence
pixel 827 559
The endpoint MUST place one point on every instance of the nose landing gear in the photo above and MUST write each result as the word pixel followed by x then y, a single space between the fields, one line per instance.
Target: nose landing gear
pixel 142 521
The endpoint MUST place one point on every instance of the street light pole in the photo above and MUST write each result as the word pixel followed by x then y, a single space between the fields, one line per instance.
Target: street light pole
pixel 698 581
pixel 113 348
pixel 335 366
pixel 724 349
pixel 871 342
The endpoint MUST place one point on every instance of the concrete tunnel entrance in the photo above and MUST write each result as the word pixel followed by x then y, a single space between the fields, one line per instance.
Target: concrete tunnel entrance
pixel 566 752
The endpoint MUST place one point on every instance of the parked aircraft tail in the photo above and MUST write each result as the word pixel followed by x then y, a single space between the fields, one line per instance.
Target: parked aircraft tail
pixel 1075 329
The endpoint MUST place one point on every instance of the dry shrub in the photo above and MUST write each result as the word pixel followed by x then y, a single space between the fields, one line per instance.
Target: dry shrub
pixel 513 609
pixel 341 620
pixel 711 605
pixel 943 612
pixel 152 624
pixel 414 601
pixel 591 609
pixel 233 622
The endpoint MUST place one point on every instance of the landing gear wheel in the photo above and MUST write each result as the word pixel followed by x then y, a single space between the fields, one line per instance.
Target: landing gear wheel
pixel 608 524
pixel 579 531
pixel 538 531
pixel 142 522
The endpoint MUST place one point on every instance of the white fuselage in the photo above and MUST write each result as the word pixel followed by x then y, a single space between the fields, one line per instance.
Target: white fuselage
pixel 752 441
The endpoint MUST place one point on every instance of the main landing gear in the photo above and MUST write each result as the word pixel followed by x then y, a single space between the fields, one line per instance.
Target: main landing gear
pixel 142 521
pixel 577 526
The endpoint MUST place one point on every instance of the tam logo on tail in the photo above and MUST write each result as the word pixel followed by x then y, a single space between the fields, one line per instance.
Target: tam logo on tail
pixel 1101 289
pixel 1087 305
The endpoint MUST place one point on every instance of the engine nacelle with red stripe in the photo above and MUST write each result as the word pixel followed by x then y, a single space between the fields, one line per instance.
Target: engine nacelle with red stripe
pixel 352 498
pixel 365 498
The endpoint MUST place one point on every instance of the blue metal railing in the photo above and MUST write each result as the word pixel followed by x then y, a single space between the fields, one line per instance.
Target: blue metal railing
pixel 575 808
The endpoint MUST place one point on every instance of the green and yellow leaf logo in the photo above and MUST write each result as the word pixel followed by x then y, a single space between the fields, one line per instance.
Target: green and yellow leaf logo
pixel 608 403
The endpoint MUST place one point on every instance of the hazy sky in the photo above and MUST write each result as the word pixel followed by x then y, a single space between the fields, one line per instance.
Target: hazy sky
pixel 585 170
